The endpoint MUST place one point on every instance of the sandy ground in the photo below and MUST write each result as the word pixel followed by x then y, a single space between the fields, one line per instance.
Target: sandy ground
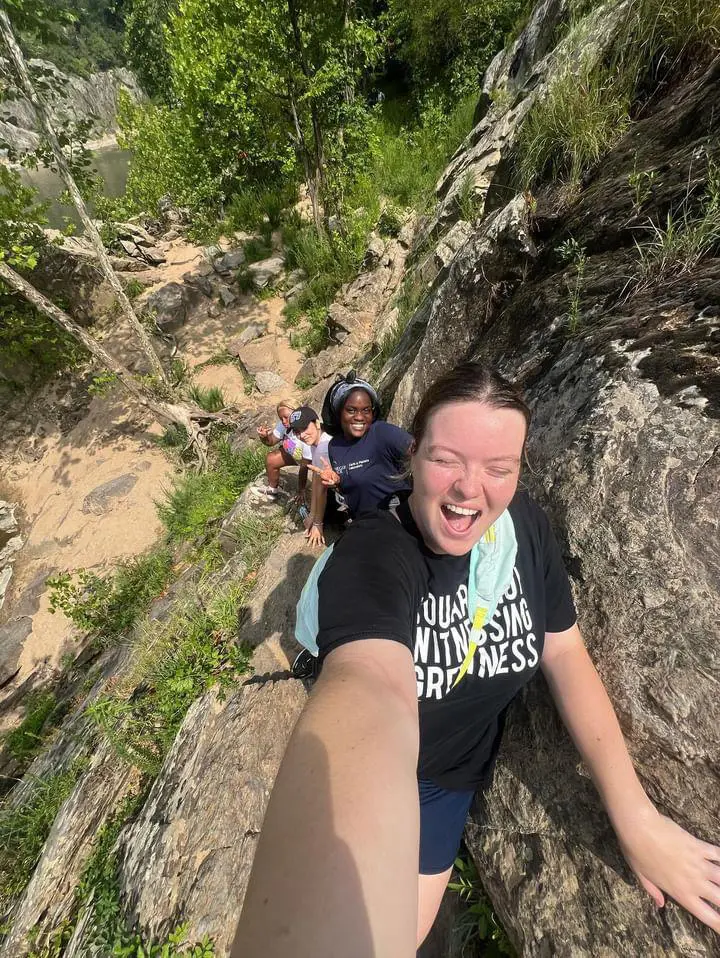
pixel 54 469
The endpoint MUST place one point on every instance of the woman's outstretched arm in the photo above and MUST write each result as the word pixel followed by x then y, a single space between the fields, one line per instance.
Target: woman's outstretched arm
pixel 663 855
pixel 336 869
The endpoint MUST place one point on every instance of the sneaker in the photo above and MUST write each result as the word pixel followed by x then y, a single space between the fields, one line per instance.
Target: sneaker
pixel 305 665
pixel 272 491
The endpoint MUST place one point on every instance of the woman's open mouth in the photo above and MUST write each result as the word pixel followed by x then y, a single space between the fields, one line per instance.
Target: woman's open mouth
pixel 358 428
pixel 459 519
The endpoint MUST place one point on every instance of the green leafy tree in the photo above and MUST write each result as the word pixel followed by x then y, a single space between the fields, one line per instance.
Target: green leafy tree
pixel 78 36
pixel 146 45
pixel 450 41
pixel 260 93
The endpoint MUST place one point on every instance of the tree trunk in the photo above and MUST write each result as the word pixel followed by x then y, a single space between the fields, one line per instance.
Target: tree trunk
pixel 23 77
pixel 315 158
pixel 182 414
pixel 303 152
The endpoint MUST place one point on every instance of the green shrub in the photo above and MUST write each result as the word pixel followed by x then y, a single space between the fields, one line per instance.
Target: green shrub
pixel 32 347
pixel 317 336
pixel 451 41
pixel 391 220
pixel 328 260
pixel 479 923
pixel 260 206
pixel 197 501
pixel 166 160
pixel 412 153
pixel 256 249
pixel 107 607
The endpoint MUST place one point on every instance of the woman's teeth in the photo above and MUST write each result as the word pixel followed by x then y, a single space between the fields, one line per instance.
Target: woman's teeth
pixel 460 511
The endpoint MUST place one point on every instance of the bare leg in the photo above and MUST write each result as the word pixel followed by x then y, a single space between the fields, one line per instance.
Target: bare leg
pixel 274 462
pixel 431 889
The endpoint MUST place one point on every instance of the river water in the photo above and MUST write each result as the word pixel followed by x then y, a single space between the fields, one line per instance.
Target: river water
pixel 110 162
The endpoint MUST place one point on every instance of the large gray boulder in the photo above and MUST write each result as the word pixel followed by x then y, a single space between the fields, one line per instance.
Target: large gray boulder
pixel 267 272
pixel 188 856
pixel 169 306
pixel 490 264
pixel 480 172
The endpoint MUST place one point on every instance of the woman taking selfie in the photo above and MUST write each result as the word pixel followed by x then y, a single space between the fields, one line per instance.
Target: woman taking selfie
pixel 430 621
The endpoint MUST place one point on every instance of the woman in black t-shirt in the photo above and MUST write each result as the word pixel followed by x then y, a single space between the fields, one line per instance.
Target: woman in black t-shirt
pixel 421 654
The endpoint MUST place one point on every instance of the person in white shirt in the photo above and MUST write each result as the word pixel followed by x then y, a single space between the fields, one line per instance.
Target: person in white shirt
pixel 305 423
pixel 291 451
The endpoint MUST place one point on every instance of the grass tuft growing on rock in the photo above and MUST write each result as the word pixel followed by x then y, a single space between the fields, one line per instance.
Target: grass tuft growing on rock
pixel 686 237
pixel 24 829
pixel 210 398
pixel 175 661
pixel 585 111
pixel 590 101
pixel 197 501
pixel 42 713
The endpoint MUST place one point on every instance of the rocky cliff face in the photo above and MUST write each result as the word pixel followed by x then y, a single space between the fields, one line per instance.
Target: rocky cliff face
pixel 622 372
pixel 71 99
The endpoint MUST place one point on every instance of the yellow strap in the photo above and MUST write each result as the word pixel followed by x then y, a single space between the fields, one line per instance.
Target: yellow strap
pixel 478 623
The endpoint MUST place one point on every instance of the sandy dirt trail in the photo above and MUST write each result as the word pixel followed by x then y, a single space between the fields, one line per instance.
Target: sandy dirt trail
pixel 88 493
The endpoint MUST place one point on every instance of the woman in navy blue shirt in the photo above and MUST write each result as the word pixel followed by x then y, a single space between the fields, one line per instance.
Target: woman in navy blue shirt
pixel 367 455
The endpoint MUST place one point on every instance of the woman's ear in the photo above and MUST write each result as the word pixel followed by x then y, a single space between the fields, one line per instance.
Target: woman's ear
pixel 412 448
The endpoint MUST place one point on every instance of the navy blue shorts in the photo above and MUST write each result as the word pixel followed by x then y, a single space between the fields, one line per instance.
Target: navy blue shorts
pixel 443 813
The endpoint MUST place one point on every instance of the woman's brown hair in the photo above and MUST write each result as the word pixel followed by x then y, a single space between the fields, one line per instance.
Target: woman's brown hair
pixel 468 382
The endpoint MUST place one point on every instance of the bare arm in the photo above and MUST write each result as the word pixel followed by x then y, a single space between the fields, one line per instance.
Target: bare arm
pixel 661 853
pixel 318 498
pixel 336 869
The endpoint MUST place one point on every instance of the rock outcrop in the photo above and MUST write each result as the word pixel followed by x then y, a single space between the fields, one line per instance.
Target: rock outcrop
pixel 622 373
pixel 71 99
pixel 10 544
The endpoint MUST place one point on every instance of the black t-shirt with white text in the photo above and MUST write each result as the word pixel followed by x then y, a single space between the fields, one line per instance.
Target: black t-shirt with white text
pixel 383 582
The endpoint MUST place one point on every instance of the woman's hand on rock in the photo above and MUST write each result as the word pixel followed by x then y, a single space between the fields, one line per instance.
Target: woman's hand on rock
pixel 263 431
pixel 667 859
pixel 315 536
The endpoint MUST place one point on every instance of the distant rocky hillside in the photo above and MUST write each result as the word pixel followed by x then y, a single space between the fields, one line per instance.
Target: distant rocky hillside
pixel 71 99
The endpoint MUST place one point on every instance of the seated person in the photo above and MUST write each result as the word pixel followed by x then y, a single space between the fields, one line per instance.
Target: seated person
pixel 368 457
pixel 305 423
pixel 292 452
